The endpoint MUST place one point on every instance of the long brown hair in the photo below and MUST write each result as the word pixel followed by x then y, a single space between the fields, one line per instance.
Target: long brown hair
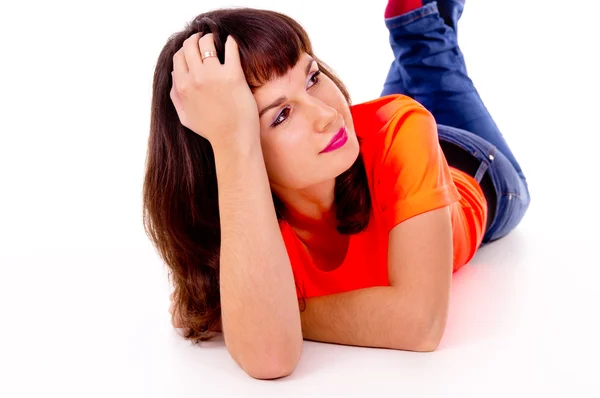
pixel 180 202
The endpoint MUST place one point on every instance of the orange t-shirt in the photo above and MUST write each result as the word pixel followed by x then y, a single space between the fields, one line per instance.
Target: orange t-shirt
pixel 408 175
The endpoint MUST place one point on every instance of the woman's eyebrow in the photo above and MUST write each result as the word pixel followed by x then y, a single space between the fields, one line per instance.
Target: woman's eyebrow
pixel 282 99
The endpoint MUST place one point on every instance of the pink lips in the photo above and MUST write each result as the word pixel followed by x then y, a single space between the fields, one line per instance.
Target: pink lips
pixel 337 141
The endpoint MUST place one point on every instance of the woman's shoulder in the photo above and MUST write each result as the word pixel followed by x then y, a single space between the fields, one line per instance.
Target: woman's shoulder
pixel 388 124
pixel 391 101
pixel 372 116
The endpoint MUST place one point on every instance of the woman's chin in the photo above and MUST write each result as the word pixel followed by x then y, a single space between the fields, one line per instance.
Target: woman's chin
pixel 350 153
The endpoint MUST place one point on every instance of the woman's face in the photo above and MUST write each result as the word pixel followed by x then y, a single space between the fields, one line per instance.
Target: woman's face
pixel 300 113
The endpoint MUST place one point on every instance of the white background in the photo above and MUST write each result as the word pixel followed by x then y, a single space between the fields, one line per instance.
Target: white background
pixel 84 296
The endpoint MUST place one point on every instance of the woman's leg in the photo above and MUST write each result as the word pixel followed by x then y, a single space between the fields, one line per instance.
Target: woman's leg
pixel 429 67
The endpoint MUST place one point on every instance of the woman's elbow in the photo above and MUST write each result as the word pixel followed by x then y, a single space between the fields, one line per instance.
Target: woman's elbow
pixel 428 345
pixel 270 372
pixel 276 366
pixel 273 370
pixel 431 340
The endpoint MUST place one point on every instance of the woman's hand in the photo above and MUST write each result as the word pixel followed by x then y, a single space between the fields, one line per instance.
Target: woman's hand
pixel 211 99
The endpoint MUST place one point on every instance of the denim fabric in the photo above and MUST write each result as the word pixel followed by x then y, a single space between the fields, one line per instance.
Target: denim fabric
pixel 429 67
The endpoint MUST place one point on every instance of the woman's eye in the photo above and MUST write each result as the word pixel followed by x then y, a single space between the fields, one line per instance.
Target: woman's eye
pixel 280 119
pixel 315 78
pixel 286 111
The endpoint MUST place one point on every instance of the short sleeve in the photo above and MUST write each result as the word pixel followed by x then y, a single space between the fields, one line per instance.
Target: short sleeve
pixel 414 176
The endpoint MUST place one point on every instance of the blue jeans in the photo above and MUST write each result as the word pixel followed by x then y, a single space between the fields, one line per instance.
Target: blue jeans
pixel 429 67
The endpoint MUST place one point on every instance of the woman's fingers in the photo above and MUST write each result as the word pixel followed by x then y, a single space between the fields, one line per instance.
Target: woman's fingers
pixel 192 52
pixel 180 67
pixel 205 44
pixel 206 93
pixel 232 53
pixel 176 100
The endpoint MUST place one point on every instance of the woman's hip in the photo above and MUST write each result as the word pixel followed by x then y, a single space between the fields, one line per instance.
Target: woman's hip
pixel 511 189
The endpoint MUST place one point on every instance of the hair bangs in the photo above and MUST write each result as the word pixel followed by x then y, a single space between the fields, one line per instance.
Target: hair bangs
pixel 269 51
pixel 270 43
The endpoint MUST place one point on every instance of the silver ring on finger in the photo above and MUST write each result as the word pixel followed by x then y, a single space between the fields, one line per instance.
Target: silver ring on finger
pixel 208 54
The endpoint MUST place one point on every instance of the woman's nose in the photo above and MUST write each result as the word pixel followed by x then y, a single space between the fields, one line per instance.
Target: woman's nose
pixel 324 115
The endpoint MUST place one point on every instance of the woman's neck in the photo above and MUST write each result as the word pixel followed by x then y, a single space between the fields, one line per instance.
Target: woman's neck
pixel 310 209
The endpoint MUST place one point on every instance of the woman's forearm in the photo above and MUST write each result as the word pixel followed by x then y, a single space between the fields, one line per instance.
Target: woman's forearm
pixel 370 317
pixel 260 316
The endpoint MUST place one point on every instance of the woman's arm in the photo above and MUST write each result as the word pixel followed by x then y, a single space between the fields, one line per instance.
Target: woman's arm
pixel 411 313
pixel 371 317
pixel 260 316
pixel 259 309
